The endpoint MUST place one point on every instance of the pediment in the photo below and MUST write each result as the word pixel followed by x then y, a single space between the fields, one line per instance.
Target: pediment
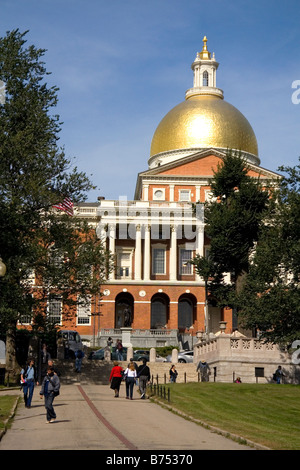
pixel 202 163
pixel 199 166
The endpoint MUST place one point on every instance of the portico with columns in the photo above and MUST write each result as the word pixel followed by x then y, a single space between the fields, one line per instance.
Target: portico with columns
pixel 152 242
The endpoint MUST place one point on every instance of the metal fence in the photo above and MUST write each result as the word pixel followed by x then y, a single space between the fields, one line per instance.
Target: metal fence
pixel 160 391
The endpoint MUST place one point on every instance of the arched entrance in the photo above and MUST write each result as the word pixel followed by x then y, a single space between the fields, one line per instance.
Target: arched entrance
pixel 186 311
pixel 159 311
pixel 124 310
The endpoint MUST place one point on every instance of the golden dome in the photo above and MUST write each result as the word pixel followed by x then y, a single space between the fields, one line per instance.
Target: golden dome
pixel 204 121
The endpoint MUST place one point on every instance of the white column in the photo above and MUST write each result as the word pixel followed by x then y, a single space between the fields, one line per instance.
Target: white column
pixel 173 254
pixel 198 193
pixel 101 232
pixel 171 192
pixel 138 254
pixel 147 253
pixel 146 192
pixel 199 243
pixel 112 246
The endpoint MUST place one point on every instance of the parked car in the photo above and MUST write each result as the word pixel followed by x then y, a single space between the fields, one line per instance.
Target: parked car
pixel 183 357
pixel 139 354
pixel 99 354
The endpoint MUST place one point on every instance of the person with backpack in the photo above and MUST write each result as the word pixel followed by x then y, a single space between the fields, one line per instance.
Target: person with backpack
pixel 79 355
pixel 28 379
pixel 50 390
pixel 143 374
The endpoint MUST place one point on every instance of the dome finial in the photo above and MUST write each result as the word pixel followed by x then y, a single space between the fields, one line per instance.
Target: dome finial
pixel 204 54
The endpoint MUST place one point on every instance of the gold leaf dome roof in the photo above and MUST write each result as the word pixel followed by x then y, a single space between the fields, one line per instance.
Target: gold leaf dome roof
pixel 204 120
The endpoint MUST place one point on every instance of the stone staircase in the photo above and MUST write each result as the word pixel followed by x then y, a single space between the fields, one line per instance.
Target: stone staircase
pixel 93 372
pixel 97 372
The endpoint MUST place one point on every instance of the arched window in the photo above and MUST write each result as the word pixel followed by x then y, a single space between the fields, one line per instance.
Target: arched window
pixel 205 78
pixel 124 305
pixel 186 307
pixel 159 312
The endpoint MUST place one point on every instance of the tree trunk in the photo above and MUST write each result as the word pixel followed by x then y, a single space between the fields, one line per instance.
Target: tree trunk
pixel 12 367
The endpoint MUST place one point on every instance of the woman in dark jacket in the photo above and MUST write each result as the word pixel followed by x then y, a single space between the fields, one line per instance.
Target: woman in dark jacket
pixel 50 389
pixel 115 378
pixel 173 374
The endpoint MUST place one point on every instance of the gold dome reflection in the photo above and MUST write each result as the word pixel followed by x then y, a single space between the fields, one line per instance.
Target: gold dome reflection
pixel 204 121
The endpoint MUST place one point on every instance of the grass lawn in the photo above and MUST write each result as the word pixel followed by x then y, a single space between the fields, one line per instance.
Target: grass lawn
pixel 6 406
pixel 266 414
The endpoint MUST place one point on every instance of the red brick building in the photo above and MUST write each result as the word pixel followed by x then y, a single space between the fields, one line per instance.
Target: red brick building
pixel 154 236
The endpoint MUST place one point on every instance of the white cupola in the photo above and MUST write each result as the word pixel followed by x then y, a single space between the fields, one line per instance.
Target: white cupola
pixel 205 68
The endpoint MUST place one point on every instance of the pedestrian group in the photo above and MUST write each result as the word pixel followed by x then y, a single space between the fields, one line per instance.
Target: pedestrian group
pixel 132 375
pixel 50 383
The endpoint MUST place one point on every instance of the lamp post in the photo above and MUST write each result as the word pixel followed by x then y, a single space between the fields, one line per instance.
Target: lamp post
pixel 2 268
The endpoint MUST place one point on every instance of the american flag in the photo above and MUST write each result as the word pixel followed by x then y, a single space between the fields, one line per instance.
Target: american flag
pixel 66 206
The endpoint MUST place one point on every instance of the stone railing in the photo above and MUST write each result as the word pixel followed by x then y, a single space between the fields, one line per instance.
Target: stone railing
pixel 140 338
pixel 251 359
pixel 230 346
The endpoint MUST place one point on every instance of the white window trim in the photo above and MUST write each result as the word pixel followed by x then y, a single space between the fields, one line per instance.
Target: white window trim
pixel 163 198
pixel 181 191
pixel 159 246
pixel 187 248
pixel 86 312
pixel 61 305
pixel 121 251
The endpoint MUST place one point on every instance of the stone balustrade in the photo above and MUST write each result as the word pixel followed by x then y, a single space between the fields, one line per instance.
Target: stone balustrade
pixel 251 359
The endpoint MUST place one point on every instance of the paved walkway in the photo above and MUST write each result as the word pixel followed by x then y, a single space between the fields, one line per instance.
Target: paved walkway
pixel 90 418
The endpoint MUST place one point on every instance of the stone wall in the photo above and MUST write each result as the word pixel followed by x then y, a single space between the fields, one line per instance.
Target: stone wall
pixel 255 361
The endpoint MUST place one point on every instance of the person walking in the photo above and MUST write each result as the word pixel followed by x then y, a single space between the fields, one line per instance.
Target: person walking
pixel 79 355
pixel 131 361
pixel 119 350
pixel 50 389
pixel 115 378
pixel 110 343
pixel 173 374
pixel 45 357
pixel 130 378
pixel 278 375
pixel 204 370
pixel 51 364
pixel 143 373
pixel 28 379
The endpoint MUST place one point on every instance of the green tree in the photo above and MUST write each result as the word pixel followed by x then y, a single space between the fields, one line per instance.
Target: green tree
pixel 207 269
pixel 233 219
pixel 35 174
pixel 270 298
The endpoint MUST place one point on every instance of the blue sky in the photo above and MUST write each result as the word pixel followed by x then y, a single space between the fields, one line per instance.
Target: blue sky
pixel 122 65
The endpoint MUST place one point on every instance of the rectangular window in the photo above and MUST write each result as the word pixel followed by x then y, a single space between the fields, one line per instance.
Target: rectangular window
pixel 158 261
pixel 259 372
pixel 54 309
pixel 124 265
pixel 185 257
pixel 184 195
pixel 25 319
pixel 84 312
